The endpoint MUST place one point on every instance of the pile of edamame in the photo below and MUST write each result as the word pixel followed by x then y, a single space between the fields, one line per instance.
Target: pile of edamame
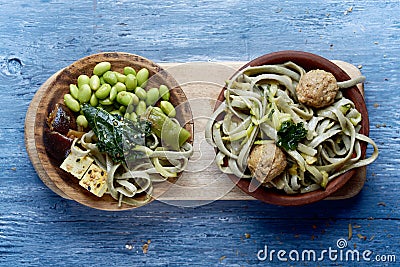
pixel 118 93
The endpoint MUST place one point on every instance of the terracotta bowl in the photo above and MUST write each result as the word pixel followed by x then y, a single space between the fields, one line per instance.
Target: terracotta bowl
pixel 308 61
pixel 58 85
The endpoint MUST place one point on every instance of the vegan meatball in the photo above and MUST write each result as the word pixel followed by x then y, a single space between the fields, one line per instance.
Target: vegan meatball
pixel 317 88
pixel 266 162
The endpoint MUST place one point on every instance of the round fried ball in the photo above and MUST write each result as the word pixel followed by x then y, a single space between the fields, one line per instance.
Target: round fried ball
pixel 317 88
pixel 266 162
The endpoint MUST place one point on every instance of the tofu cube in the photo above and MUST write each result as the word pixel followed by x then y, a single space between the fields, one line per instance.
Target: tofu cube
pixel 95 180
pixel 77 166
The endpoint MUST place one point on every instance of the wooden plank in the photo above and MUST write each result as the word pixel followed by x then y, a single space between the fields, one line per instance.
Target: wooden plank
pixel 202 181
pixel 202 83
pixel 236 230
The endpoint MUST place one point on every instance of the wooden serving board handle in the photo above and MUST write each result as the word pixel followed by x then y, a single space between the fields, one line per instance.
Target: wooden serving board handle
pixel 202 181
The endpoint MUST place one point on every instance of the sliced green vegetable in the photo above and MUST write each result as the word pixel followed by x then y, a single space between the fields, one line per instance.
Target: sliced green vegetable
pixel 171 134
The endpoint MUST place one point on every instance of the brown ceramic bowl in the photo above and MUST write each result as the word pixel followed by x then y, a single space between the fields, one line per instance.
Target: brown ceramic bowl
pixel 62 182
pixel 308 61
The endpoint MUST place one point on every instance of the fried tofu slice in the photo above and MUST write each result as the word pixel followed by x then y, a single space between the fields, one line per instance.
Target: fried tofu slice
pixel 95 180
pixel 77 166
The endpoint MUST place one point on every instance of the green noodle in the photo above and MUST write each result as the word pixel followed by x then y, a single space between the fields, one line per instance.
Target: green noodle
pixel 133 184
pixel 258 99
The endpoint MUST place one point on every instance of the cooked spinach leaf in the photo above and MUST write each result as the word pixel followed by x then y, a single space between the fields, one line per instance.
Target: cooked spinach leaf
pixel 116 135
pixel 290 134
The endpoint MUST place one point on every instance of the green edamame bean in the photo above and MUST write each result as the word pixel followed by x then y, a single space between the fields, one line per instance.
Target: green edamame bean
pixel 141 108
pixel 129 70
pixel 101 68
pixel 110 77
pixel 141 93
pixel 84 94
pixel 106 102
pixel 133 116
pixel 122 109
pixel 73 90
pixel 83 79
pixel 82 121
pixel 164 92
pixel 130 108
pixel 124 98
pixel 135 99
pixel 142 76
pixel 94 82
pixel 120 77
pixel 152 96
pixel 168 108
pixel 113 93
pixel 131 82
pixel 71 103
pixel 93 100
pixel 116 112
pixel 107 108
pixel 102 81
pixel 120 86
pixel 103 91
pixel 127 116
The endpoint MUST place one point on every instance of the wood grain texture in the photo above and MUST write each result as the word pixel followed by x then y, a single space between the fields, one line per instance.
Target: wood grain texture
pixel 201 83
pixel 39 37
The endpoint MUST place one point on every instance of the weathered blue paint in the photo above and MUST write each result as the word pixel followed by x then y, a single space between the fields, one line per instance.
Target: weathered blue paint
pixel 38 38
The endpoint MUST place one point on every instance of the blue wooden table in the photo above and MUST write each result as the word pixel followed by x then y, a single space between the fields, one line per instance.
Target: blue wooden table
pixel 39 228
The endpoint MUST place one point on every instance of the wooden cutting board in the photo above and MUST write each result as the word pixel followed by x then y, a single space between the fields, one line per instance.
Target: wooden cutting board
pixel 202 181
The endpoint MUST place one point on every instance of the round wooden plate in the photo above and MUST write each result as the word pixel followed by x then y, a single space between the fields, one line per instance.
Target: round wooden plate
pixel 52 92
pixel 308 61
